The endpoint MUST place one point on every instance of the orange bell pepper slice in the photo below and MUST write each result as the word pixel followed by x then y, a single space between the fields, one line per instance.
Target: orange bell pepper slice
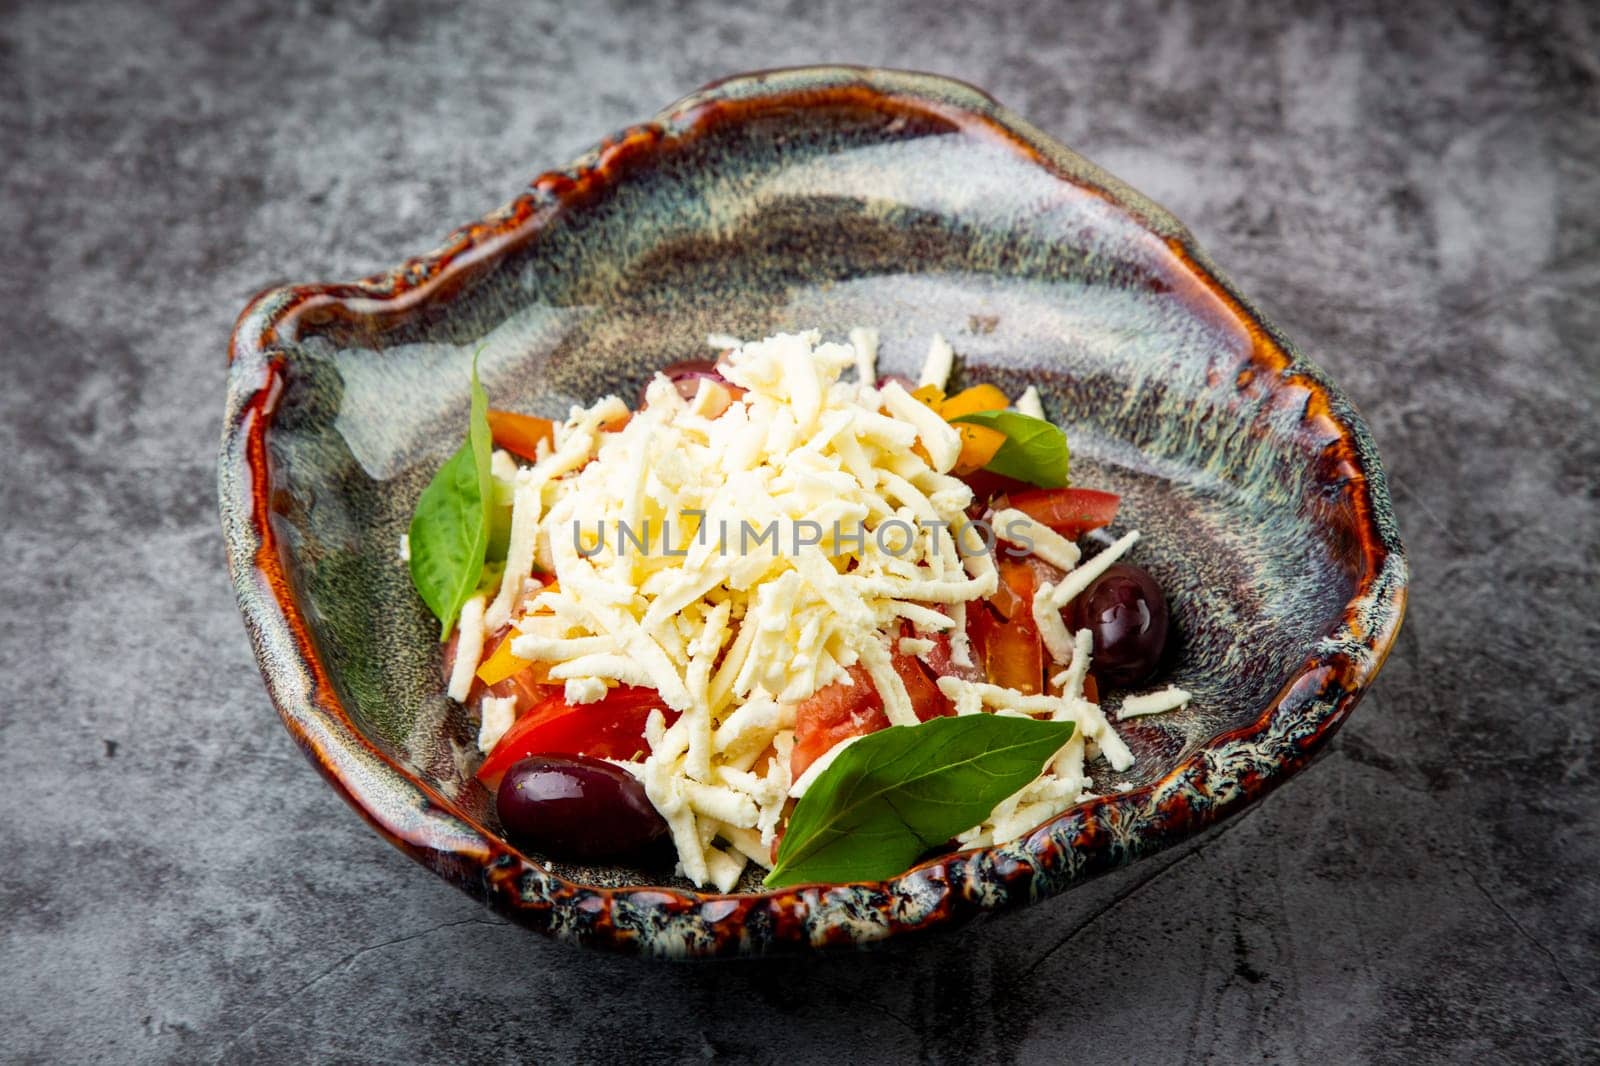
pixel 977 398
pixel 520 434
pixel 978 443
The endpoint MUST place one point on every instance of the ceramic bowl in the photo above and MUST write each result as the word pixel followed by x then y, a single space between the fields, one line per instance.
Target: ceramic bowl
pixel 823 197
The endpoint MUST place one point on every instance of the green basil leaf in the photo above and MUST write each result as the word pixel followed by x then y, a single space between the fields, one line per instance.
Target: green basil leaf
pixel 1035 451
pixel 893 794
pixel 450 527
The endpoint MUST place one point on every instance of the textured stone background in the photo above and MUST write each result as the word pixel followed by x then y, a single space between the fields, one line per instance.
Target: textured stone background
pixel 1413 192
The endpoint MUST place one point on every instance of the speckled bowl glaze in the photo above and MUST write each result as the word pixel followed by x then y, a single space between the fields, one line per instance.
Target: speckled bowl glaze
pixel 821 197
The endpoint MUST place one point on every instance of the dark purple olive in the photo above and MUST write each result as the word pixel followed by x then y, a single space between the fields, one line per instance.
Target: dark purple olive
pixel 904 382
pixel 1126 614
pixel 686 376
pixel 577 807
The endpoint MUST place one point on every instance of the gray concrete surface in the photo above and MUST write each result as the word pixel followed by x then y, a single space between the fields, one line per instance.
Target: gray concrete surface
pixel 1412 191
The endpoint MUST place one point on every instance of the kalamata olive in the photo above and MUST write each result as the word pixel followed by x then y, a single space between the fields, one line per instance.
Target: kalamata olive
pixel 1126 614
pixel 900 379
pixel 577 807
pixel 686 376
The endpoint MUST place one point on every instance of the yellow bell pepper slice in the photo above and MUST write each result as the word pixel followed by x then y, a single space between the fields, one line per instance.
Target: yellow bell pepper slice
pixel 502 664
pixel 931 395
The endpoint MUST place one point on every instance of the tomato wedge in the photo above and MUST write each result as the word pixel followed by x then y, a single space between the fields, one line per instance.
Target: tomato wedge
pixel 527 689
pixel 1014 596
pixel 833 713
pixel 987 485
pixel 1020 578
pixel 939 661
pixel 520 434
pixel 1013 653
pixel 1070 512
pixel 981 628
pixel 612 728
pixel 926 699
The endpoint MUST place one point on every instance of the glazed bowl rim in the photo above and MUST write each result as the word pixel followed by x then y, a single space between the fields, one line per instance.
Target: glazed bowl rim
pixel 1089 838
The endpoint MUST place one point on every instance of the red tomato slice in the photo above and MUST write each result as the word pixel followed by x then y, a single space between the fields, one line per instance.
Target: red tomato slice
pixel 527 688
pixel 1018 579
pixel 981 628
pixel 1070 512
pixel 986 485
pixel 833 713
pixel 926 699
pixel 939 662
pixel 1014 596
pixel 1013 653
pixel 612 728
pixel 920 676
pixel 520 434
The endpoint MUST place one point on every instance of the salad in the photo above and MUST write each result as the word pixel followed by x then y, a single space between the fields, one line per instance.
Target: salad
pixel 785 612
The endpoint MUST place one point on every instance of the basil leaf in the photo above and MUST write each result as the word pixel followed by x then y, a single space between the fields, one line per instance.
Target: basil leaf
pixel 450 527
pixel 1035 451
pixel 893 794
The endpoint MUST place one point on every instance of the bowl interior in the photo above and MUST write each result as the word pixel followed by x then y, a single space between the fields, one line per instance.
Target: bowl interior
pixel 828 217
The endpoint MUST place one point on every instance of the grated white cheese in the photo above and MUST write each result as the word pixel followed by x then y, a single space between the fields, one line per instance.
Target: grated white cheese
pixel 940 438
pixel 710 399
pixel 724 868
pixel 960 643
pixel 1071 679
pixel 502 466
pixel 720 802
pixel 1047 618
pixel 646 530
pixel 1171 698
pixel 469 649
pixel 937 366
pixel 1085 575
pixel 497 714
pixel 865 343
pixel 1029 404
pixel 1105 738
pixel 732 635
pixel 1027 532
pixel 748 843
pixel 580 690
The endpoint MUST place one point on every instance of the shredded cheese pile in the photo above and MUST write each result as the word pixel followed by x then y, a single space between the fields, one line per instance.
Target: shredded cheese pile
pixel 732 636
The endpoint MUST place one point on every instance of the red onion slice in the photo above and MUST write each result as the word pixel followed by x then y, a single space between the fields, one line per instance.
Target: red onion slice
pixel 686 375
